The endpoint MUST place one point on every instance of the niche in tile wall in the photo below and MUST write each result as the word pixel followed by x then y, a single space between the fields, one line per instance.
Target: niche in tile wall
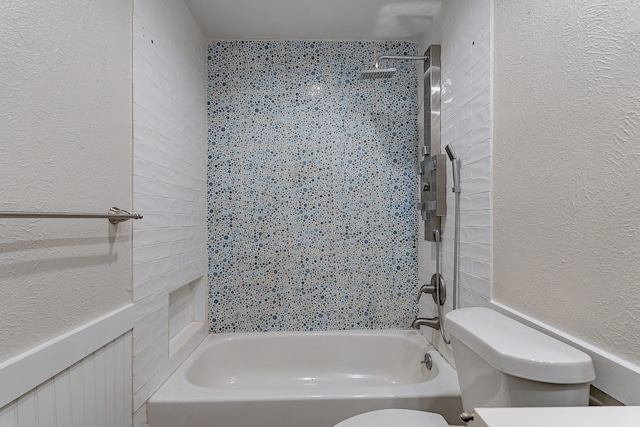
pixel 186 317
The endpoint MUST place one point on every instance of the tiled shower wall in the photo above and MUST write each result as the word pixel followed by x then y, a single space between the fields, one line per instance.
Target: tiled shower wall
pixel 169 188
pixel 463 30
pixel 312 187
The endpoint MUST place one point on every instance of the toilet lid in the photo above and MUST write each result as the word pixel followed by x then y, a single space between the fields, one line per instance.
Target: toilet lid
pixel 395 418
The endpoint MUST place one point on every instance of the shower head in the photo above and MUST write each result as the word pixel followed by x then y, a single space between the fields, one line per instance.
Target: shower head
pixel 450 152
pixel 456 163
pixel 385 73
pixel 378 73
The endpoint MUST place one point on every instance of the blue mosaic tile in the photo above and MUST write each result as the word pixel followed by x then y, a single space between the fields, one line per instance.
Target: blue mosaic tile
pixel 311 187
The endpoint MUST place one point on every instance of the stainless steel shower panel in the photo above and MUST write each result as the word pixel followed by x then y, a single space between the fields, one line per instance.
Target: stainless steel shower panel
pixel 433 173
pixel 433 194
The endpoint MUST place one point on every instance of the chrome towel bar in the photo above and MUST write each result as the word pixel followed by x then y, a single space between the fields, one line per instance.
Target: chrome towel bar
pixel 115 215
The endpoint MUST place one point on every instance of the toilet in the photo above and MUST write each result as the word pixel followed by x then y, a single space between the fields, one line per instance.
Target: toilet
pixel 500 363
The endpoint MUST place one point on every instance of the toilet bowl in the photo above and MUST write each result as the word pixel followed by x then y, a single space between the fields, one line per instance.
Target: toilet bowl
pixel 500 363
pixel 395 417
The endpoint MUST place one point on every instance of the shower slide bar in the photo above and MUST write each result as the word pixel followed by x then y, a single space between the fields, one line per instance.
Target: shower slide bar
pixel 115 215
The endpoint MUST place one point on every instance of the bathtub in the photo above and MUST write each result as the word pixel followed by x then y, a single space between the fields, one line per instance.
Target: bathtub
pixel 303 379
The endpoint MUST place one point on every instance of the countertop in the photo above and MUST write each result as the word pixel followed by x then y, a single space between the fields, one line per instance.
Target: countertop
pixel 590 416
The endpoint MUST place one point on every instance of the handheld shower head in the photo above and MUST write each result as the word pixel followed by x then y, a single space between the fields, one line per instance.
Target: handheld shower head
pixel 457 164
pixel 450 152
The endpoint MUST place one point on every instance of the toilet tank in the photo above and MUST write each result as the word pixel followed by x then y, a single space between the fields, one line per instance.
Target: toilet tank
pixel 503 363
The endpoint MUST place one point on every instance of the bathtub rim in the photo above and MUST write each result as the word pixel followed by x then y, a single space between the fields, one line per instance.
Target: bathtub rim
pixel 178 388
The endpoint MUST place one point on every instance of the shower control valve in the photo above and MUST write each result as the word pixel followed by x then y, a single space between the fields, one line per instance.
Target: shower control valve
pixel 423 211
pixel 431 289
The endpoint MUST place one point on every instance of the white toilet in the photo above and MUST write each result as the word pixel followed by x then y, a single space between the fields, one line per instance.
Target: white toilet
pixel 500 363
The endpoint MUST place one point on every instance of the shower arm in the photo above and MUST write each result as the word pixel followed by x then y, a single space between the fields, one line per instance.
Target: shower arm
pixel 406 58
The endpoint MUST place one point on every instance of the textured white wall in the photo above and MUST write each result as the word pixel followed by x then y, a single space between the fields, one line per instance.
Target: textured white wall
pixel 463 31
pixel 169 183
pixel 65 145
pixel 567 167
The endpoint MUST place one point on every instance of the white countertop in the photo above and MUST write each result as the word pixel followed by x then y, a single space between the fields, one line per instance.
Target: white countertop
pixel 590 416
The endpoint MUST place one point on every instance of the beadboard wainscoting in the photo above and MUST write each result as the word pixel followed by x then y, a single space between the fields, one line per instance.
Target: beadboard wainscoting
pixel 82 378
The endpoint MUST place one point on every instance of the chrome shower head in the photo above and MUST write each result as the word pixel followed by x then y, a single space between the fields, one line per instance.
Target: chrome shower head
pixel 378 73
pixel 385 73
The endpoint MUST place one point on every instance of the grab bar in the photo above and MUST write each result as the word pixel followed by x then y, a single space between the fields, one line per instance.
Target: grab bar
pixel 115 215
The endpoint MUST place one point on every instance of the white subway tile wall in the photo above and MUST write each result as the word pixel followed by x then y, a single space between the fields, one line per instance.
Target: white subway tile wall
pixel 169 184
pixel 463 31
pixel 96 391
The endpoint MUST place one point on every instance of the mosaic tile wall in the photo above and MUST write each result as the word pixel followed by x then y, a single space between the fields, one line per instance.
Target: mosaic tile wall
pixel 312 187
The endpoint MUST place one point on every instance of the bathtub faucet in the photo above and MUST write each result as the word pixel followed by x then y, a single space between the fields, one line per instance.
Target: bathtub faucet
pixel 432 322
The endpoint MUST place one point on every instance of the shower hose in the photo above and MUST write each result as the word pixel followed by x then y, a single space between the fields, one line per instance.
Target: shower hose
pixel 457 165
pixel 436 235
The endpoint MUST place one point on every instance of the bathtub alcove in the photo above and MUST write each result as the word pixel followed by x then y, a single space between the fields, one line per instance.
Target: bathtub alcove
pixel 304 379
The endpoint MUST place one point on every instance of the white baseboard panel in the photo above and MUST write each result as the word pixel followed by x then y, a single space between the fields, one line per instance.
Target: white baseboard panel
pixel 27 371
pixel 96 391
pixel 615 376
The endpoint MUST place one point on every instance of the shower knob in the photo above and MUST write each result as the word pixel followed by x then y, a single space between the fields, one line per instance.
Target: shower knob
pixel 426 186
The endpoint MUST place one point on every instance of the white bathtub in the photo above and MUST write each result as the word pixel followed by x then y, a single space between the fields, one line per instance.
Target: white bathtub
pixel 303 379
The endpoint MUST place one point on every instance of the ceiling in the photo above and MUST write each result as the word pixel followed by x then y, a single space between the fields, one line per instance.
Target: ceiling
pixel 314 19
